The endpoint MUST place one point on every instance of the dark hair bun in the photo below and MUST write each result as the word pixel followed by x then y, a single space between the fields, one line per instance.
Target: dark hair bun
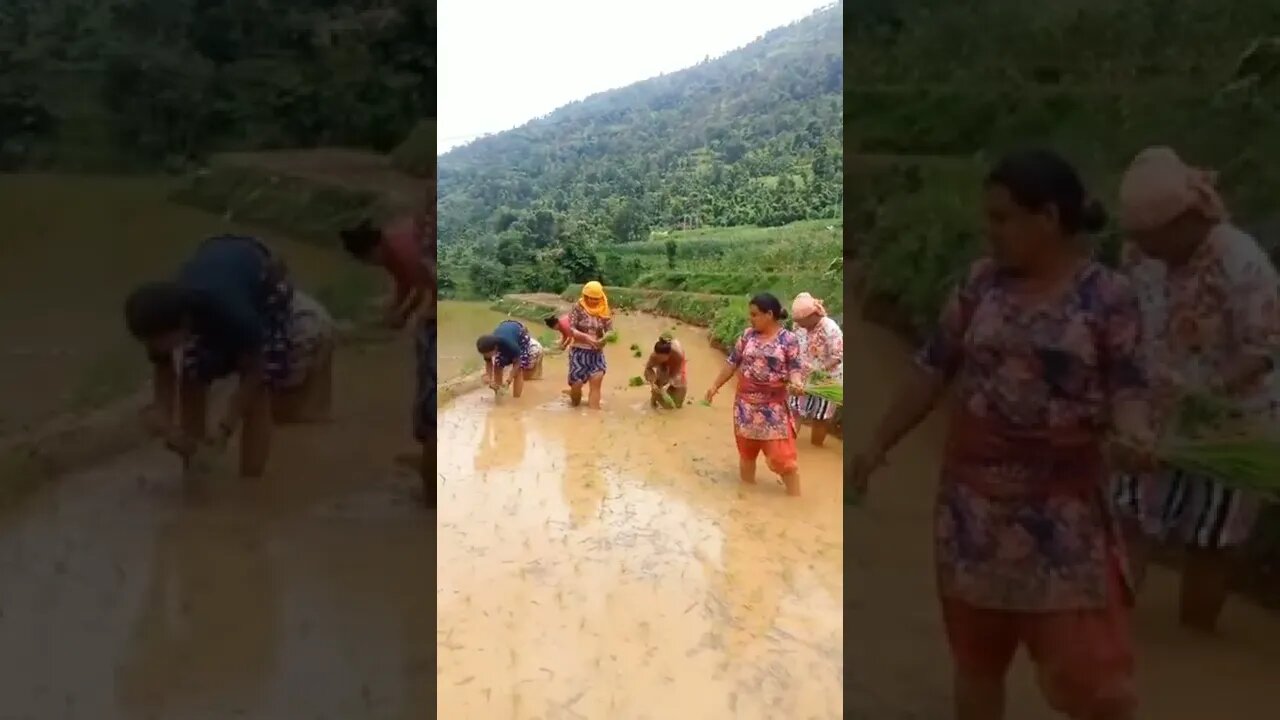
pixel 1093 217
pixel 784 314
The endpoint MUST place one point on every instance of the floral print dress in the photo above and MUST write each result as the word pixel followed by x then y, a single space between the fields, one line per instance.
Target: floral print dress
pixel 765 366
pixel 1220 306
pixel 821 349
pixel 1023 521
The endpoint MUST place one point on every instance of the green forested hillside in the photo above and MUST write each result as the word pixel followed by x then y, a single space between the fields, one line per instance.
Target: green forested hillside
pixel 936 92
pixel 105 84
pixel 751 138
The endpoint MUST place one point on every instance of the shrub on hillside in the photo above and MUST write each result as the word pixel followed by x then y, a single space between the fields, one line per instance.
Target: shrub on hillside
pixel 303 208
pixel 717 241
pixel 524 309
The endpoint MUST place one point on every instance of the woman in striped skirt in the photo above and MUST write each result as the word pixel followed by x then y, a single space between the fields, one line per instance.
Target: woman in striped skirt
pixel 822 347
pixel 1215 329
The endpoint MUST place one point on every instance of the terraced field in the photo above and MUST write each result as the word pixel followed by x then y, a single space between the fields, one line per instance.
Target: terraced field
pixel 713 273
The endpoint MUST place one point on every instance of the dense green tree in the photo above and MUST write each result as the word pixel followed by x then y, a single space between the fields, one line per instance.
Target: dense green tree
pixel 156 80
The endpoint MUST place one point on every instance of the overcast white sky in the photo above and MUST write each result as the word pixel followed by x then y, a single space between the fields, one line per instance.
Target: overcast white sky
pixel 503 62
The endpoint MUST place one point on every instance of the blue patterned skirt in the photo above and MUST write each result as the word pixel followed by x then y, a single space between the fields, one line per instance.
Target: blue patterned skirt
pixel 584 363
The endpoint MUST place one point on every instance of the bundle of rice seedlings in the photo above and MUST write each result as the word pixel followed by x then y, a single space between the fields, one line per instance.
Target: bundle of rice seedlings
pixel 831 392
pixel 636 381
pixel 1243 463
pixel 637 353
pixel 611 337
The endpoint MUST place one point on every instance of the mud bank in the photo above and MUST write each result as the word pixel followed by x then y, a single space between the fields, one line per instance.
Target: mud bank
pixel 610 564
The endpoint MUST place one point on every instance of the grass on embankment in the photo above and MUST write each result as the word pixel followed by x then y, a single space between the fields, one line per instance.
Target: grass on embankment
pixel 524 309
pixel 304 208
pixel 825 284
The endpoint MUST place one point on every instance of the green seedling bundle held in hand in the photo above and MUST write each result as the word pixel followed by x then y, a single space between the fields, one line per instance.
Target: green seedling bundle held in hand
pixel 1212 440
pixel 611 337
pixel 831 392
pixel 1244 463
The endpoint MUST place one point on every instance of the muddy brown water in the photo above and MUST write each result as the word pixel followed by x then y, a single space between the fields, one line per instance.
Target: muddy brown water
pixel 73 246
pixel 304 595
pixel 608 564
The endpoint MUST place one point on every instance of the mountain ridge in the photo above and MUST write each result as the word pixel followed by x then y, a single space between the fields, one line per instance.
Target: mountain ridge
pixel 751 137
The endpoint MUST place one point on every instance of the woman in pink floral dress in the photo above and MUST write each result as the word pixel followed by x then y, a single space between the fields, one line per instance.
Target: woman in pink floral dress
pixel 822 348
pixel 767 360
pixel 1218 334
pixel 1041 344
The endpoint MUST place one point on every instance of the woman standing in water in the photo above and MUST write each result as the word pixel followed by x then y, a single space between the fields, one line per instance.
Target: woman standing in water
pixel 589 321
pixel 1220 330
pixel 767 359
pixel 822 347
pixel 1042 344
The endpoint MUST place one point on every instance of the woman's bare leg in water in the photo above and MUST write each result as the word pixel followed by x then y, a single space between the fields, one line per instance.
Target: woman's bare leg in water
pixel 575 395
pixel 791 481
pixel 593 395
pixel 1206 576
pixel 747 470
pixel 255 437
pixel 1138 547
pixel 517 381
pixel 818 434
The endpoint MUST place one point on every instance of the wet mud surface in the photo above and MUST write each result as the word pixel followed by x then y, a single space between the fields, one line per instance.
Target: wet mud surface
pixel 307 594
pixel 609 564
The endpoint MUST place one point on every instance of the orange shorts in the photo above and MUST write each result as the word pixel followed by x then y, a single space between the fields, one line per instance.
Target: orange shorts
pixel 779 455
pixel 1084 658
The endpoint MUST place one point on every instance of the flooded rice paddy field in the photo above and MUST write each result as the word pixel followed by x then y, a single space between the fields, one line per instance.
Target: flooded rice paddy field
pixel 609 564
pixel 73 246
pixel 307 594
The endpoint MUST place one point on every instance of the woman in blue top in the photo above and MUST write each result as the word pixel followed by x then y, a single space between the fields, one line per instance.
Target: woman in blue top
pixel 509 345
pixel 232 310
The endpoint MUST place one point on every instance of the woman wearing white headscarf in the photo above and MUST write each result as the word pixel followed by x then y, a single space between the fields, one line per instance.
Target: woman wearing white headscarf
pixel 822 349
pixel 1219 315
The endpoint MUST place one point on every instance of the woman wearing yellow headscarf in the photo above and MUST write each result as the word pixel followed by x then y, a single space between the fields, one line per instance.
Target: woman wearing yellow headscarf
pixel 590 316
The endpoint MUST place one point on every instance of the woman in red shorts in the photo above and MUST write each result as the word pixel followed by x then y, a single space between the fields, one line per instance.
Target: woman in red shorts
pixel 767 360
pixel 1041 344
